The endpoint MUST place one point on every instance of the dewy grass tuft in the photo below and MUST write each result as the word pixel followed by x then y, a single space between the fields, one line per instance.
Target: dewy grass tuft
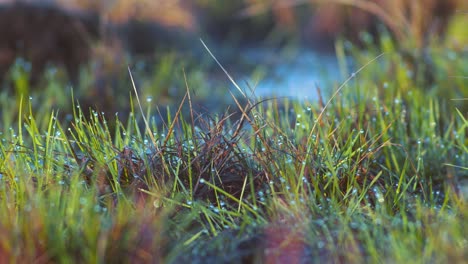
pixel 377 174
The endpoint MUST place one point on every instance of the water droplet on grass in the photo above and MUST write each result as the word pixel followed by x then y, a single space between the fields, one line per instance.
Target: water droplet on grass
pixel 451 55
pixel 320 244
pixel 97 208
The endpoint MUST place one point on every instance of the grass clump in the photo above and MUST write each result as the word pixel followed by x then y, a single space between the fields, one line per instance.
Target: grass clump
pixel 375 174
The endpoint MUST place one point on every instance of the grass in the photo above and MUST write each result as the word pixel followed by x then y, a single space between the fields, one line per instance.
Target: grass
pixel 374 174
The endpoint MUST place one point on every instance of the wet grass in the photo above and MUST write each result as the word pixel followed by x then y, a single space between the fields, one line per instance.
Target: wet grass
pixel 376 173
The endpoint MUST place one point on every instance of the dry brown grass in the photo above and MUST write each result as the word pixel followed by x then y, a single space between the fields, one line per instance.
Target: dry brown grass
pixel 174 13
pixel 414 21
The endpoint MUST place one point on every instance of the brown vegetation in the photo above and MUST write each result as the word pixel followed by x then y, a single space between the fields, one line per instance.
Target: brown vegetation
pixel 417 20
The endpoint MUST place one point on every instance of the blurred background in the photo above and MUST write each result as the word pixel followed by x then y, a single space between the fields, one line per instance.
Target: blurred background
pixel 274 47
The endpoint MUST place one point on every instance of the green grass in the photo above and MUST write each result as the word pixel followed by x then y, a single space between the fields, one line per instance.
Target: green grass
pixel 372 175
